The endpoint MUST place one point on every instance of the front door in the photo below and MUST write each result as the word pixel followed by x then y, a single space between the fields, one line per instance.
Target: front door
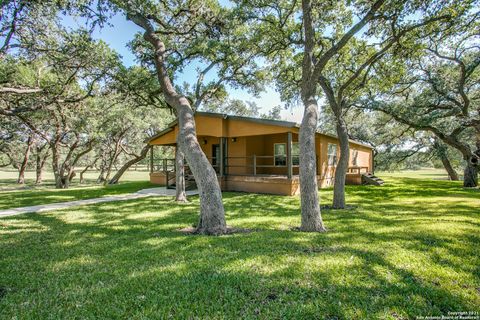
pixel 216 157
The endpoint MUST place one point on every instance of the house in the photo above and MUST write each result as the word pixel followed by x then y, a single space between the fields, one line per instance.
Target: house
pixel 258 155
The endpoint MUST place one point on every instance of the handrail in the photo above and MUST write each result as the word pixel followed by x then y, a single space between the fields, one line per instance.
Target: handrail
pixel 357 169
pixel 168 164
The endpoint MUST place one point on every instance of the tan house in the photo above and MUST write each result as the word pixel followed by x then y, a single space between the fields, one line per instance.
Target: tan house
pixel 258 155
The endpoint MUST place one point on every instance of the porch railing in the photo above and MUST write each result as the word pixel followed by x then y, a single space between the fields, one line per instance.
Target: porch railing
pixel 357 170
pixel 248 165
pixel 253 164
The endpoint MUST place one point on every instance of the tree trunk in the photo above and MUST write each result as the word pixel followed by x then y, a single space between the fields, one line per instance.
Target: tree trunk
pixel 452 174
pixel 82 173
pixel 112 161
pixel 470 175
pixel 310 204
pixel 23 166
pixel 212 213
pixel 40 164
pixel 128 164
pixel 342 165
pixel 101 176
pixel 441 151
pixel 180 195
pixel 55 168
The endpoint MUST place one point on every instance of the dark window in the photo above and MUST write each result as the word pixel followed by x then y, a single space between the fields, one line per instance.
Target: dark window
pixel 280 154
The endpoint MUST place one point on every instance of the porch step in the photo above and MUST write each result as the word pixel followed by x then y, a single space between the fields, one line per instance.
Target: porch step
pixel 190 183
pixel 369 178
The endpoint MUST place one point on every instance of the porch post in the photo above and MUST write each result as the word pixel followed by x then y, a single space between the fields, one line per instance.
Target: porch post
pixel 151 159
pixel 289 155
pixel 221 160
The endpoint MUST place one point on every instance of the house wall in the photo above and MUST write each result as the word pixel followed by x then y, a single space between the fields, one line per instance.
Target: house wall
pixel 158 178
pixel 258 184
pixel 206 143
pixel 238 128
pixel 327 173
pixel 236 153
pixel 255 137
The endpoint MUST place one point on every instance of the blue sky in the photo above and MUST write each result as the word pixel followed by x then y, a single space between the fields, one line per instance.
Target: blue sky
pixel 121 31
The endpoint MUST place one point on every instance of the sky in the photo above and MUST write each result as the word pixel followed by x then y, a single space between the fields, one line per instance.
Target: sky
pixel 120 32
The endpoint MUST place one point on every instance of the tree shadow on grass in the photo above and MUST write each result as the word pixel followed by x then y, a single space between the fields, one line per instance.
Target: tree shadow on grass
pixel 126 260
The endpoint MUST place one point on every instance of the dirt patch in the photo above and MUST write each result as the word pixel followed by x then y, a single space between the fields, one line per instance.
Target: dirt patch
pixel 311 250
pixel 230 230
pixel 297 229
pixel 330 207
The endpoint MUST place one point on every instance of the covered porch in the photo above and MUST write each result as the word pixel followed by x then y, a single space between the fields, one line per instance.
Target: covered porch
pixel 260 163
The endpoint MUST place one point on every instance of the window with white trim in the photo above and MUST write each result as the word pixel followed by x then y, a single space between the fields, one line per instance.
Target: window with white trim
pixel 280 154
pixel 332 154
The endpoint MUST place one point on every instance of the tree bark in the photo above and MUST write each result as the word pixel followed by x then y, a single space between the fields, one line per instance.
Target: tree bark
pixel 470 176
pixel 101 175
pixel 55 166
pixel 342 165
pixel 212 213
pixel 40 164
pixel 128 164
pixel 452 174
pixel 309 200
pixel 180 195
pixel 23 166
pixel 116 152
pixel 441 151
pixel 310 205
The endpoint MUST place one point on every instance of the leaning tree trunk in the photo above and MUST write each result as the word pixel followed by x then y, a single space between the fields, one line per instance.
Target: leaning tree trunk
pixel 82 179
pixel 23 166
pixel 180 195
pixel 212 213
pixel 128 164
pixel 111 163
pixel 452 174
pixel 441 151
pixel 310 204
pixel 342 165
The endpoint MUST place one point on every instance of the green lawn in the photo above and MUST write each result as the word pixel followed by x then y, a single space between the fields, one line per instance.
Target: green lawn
pixel 410 248
pixel 13 195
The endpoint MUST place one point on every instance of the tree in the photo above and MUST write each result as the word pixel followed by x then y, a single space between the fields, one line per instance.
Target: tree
pixel 212 215
pixel 175 35
pixel 61 111
pixel 440 94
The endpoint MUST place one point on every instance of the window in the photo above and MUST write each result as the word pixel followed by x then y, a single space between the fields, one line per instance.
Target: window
pixel 332 154
pixel 295 154
pixel 354 157
pixel 280 154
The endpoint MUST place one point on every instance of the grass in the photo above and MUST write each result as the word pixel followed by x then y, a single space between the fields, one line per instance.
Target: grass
pixel 408 249
pixel 13 195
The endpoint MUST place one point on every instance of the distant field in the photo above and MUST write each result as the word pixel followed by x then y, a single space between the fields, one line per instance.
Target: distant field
pixel 424 173
pixel 10 176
